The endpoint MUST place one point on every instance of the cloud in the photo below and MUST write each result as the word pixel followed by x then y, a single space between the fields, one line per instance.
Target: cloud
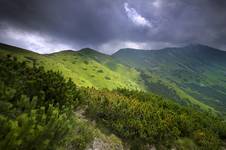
pixel 110 25
pixel 114 46
pixel 135 17
pixel 157 3
pixel 35 41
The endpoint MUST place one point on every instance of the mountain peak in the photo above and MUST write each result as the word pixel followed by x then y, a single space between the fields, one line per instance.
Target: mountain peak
pixel 85 51
pixel 89 51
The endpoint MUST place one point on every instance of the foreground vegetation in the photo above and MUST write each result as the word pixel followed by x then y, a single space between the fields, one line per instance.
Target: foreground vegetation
pixel 37 112
pixel 143 119
pixel 36 109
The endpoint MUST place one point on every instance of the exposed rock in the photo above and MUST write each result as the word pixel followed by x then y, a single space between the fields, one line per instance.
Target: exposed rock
pixel 99 144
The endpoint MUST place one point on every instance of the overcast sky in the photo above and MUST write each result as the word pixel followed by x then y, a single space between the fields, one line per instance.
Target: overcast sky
pixel 46 26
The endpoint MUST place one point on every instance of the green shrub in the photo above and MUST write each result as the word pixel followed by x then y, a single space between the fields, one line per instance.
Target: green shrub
pixel 36 108
pixel 100 71
pixel 206 139
pixel 145 118
pixel 107 78
pixel 86 62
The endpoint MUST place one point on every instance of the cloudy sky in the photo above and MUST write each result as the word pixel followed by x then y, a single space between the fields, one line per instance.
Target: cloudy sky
pixel 46 26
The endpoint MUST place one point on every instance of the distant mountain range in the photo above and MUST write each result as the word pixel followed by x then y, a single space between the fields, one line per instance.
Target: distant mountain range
pixel 191 75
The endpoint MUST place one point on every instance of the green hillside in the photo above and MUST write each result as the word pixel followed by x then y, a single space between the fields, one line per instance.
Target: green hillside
pixel 86 67
pixel 41 110
pixel 196 69
pixel 130 69
pixel 90 68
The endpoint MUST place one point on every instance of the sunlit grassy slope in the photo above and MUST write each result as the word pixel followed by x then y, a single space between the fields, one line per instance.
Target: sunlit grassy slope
pixel 90 68
pixel 86 67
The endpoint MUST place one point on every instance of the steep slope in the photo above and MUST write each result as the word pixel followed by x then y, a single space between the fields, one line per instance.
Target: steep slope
pixel 43 110
pixel 197 69
pixel 90 68
pixel 86 67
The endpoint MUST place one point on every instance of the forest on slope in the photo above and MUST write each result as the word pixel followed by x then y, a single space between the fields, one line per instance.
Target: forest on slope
pixel 38 112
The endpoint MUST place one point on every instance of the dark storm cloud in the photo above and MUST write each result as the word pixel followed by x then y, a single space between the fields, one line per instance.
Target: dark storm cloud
pixel 109 25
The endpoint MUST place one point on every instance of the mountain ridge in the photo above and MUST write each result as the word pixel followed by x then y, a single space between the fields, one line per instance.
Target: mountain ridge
pixel 190 46
pixel 199 70
pixel 167 73
pixel 87 49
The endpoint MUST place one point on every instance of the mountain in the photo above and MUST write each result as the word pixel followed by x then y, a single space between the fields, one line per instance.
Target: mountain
pixel 197 69
pixel 191 75
pixel 43 110
pixel 86 67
